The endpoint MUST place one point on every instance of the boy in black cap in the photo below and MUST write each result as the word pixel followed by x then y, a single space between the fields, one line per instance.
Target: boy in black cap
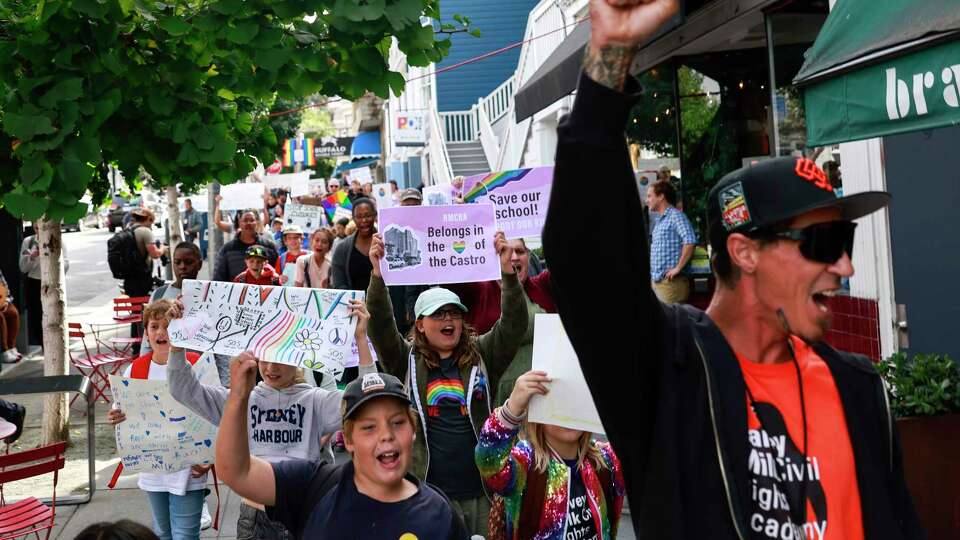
pixel 258 272
pixel 737 422
pixel 371 497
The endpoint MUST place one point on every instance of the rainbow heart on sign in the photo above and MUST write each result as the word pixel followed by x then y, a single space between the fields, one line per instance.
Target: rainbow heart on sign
pixel 459 246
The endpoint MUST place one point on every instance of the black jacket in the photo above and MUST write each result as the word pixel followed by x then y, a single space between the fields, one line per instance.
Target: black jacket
pixel 231 260
pixel 666 383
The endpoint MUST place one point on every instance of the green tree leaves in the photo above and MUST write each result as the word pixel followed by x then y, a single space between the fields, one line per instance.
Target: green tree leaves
pixel 179 89
pixel 26 127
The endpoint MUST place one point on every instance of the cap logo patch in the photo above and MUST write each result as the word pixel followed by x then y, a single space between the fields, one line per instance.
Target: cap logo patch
pixel 372 382
pixel 809 171
pixel 733 207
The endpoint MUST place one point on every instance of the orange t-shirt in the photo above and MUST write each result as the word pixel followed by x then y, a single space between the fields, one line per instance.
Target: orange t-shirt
pixel 776 451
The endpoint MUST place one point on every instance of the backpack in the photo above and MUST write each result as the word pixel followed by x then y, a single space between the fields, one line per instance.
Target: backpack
pixel 124 256
pixel 531 507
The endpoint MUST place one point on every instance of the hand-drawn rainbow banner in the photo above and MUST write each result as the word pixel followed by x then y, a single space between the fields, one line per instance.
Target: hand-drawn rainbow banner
pixel 160 435
pixel 309 328
pixel 339 199
pixel 520 196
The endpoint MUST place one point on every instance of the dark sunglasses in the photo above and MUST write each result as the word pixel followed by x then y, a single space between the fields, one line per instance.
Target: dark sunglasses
pixel 444 314
pixel 823 242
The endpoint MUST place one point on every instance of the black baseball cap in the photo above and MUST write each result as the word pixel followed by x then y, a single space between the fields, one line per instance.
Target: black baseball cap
pixel 372 386
pixel 774 191
pixel 255 251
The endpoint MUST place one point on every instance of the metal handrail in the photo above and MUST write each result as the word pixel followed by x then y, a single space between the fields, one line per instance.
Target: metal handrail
pixel 441 168
pixel 56 384
pixel 488 140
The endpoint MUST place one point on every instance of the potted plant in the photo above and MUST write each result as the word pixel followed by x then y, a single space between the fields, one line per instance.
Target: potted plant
pixel 924 392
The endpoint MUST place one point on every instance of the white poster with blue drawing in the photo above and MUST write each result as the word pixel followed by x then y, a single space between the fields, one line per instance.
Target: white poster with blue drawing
pixel 160 435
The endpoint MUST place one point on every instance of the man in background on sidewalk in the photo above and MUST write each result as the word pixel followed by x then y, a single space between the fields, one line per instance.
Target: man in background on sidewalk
pixel 192 222
pixel 141 221
pixel 671 246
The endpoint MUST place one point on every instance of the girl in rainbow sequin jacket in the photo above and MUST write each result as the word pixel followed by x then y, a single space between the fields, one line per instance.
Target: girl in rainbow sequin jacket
pixel 555 483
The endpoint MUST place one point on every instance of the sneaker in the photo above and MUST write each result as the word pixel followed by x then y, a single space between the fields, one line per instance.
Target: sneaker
pixel 10 356
pixel 17 420
pixel 205 520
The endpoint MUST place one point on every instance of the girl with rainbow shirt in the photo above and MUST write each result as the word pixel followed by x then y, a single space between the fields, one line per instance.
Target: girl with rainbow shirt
pixel 450 372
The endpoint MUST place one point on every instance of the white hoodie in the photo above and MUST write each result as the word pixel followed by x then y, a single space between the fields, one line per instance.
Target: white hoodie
pixel 283 424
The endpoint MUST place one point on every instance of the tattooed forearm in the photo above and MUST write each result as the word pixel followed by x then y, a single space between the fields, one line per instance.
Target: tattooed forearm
pixel 609 65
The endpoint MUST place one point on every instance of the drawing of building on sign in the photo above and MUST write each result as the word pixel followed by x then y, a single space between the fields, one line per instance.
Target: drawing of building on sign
pixel 402 247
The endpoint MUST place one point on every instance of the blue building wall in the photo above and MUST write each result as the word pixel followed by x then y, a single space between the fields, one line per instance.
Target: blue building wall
pixel 501 23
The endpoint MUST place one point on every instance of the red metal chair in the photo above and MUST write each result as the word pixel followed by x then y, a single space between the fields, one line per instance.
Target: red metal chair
pixel 29 516
pixel 129 310
pixel 96 363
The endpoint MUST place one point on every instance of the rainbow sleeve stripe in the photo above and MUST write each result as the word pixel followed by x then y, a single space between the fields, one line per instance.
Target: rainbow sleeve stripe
pixel 492 181
pixel 451 389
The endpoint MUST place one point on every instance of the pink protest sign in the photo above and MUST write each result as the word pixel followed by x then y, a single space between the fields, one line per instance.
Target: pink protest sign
pixel 428 245
pixel 520 196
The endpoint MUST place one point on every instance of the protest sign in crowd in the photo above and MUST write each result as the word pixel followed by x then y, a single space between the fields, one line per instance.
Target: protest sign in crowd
pixel 477 394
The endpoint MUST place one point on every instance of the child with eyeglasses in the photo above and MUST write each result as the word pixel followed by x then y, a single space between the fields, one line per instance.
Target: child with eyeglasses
pixel 453 372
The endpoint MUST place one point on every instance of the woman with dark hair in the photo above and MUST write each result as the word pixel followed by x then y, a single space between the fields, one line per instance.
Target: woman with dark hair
pixel 350 264
pixel 452 373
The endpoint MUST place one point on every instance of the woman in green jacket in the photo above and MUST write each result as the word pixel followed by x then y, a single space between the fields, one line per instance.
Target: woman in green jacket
pixel 455 374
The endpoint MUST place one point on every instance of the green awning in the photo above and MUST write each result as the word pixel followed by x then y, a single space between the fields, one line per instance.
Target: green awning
pixel 882 67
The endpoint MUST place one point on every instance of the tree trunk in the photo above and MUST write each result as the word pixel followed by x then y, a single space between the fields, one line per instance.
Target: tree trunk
pixel 214 234
pixel 173 217
pixel 56 409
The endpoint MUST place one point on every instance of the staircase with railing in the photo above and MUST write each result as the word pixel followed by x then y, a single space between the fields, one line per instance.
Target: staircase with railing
pixel 488 130
pixel 486 137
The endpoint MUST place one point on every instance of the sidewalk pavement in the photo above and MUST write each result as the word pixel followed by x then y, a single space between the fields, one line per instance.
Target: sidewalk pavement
pixel 126 501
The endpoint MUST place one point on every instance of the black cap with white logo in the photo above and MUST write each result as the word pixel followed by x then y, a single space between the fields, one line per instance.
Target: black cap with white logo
pixel 371 386
pixel 774 191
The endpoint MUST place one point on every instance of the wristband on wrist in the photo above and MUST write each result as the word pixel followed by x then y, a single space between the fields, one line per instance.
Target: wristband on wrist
pixel 510 417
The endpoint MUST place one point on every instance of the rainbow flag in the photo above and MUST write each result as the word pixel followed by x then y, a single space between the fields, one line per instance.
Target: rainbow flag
pixel 290 147
pixel 331 202
pixel 493 181
pixel 308 152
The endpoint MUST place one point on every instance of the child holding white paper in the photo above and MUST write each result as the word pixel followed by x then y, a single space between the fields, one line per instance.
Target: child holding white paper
pixel 176 499
pixel 556 482
pixel 289 419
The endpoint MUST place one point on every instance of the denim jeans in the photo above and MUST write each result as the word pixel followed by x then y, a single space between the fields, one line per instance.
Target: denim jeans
pixel 176 517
